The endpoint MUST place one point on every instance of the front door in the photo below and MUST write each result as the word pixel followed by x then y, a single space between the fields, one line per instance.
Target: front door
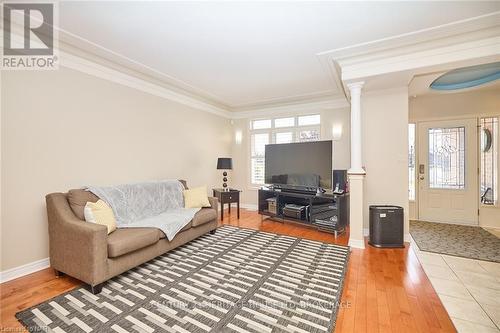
pixel 447 171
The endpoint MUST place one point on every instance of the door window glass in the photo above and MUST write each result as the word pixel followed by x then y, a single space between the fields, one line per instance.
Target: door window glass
pixel 447 158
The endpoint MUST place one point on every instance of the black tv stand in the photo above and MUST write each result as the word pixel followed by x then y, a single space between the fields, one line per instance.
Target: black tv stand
pixel 326 212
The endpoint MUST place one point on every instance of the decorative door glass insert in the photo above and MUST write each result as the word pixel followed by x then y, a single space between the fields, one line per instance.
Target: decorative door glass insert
pixel 489 160
pixel 447 158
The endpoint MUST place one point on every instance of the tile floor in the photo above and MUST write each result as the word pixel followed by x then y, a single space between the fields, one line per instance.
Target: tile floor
pixel 468 288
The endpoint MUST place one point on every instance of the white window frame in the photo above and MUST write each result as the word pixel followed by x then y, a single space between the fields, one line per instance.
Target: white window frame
pixel 272 137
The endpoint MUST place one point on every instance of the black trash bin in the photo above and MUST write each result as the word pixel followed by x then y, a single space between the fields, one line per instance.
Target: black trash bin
pixel 386 226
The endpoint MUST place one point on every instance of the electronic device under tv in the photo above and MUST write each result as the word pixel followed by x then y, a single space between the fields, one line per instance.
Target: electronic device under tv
pixel 302 166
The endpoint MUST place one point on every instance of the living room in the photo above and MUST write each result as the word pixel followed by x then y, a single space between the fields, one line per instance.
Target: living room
pixel 135 96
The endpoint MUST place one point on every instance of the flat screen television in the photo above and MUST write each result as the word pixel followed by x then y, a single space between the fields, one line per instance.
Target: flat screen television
pixel 299 165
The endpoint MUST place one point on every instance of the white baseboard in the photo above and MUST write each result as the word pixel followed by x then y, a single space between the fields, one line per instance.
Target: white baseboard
pixel 245 206
pixel 249 206
pixel 357 243
pixel 16 272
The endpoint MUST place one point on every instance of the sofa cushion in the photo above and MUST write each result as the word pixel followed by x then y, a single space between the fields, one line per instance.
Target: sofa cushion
pixel 78 199
pixel 196 197
pixel 203 216
pixel 126 240
pixel 186 227
pixel 99 212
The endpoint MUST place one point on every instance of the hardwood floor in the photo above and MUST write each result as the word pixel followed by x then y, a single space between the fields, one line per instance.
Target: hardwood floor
pixel 386 290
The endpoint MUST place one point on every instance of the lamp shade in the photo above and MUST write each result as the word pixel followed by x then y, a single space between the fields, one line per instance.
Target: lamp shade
pixel 224 163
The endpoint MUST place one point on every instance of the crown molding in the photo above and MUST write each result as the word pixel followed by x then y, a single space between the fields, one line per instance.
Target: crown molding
pixel 86 66
pixel 80 47
pixel 474 39
pixel 110 73
pixel 97 66
pixel 297 108
pixel 458 29
pixel 76 44
pixel 136 77
pixel 280 101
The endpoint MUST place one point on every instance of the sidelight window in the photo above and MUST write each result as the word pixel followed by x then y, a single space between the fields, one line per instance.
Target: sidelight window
pixel 489 160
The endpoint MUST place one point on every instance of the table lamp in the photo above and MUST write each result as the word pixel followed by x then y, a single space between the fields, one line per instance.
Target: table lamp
pixel 224 163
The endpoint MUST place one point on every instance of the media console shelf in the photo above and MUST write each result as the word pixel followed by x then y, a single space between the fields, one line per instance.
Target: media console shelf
pixel 325 212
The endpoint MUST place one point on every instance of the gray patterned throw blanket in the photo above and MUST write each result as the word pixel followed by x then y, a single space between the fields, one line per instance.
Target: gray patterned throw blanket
pixel 158 204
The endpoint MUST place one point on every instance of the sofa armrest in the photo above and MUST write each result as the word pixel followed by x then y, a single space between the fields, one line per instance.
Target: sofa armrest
pixel 77 248
pixel 214 202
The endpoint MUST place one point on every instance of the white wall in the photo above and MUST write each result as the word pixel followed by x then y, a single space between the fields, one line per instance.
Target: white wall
pixel 64 129
pixel 385 149
pixel 472 104
pixel 240 176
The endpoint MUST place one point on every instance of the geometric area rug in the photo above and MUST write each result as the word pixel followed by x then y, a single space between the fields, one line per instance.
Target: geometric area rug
pixel 456 240
pixel 236 280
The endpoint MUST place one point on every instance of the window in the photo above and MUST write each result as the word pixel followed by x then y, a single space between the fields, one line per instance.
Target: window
pixel 309 120
pixel 411 161
pixel 283 137
pixel 489 160
pixel 284 122
pixel 259 142
pixel 261 124
pixel 447 158
pixel 278 130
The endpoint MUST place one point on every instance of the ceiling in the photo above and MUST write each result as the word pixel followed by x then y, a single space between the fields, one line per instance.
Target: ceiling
pixel 246 54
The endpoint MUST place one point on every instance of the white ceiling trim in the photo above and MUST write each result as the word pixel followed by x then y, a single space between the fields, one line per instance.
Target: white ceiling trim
pixel 116 72
pixel 373 48
pixel 280 101
pixel 425 58
pixel 464 40
pixel 478 37
pixel 104 53
pixel 92 68
pixel 73 43
pixel 86 66
pixel 290 109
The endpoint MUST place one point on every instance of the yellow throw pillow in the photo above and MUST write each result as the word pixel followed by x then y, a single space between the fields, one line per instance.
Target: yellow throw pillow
pixel 99 212
pixel 196 197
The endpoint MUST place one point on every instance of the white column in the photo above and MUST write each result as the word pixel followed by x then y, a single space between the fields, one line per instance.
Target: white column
pixel 356 172
pixel 356 160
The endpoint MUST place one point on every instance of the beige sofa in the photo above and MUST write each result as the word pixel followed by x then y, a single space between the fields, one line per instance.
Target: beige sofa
pixel 85 251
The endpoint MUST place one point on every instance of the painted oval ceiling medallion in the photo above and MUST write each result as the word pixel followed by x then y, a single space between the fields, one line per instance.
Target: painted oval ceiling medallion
pixel 467 77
